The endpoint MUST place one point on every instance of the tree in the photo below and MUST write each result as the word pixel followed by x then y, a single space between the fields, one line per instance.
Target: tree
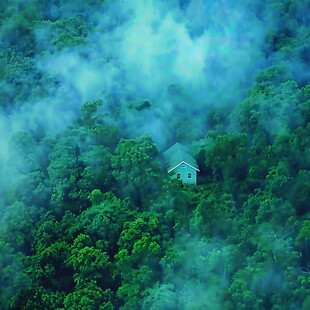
pixel 301 190
pixel 136 169
pixel 227 155
pixel 89 297
pixel 13 276
pixel 213 216
pixel 16 224
pixel 105 218
pixel 88 262
pixel 137 262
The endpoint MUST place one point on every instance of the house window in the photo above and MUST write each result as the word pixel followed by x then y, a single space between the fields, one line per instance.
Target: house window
pixel 189 175
pixel 178 175
pixel 183 166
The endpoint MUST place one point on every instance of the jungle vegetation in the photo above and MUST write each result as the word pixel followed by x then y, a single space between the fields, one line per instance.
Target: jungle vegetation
pixel 90 97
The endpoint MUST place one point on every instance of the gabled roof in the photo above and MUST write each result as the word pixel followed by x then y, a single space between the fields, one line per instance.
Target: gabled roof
pixel 178 154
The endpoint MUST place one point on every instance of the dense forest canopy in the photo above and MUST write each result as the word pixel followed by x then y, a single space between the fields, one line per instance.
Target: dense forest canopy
pixel 92 92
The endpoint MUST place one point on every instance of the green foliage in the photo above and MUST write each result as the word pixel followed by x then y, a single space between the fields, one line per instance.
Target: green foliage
pixel 88 217
pixel 272 76
pixel 89 297
pixel 16 225
pixel 302 191
pixel 105 218
pixel 227 154
pixel 138 259
pixel 135 168
pixel 303 237
pixel 12 273
pixel 96 197
pixel 139 105
pixel 89 110
pixel 87 261
pixel 70 32
pixel 214 214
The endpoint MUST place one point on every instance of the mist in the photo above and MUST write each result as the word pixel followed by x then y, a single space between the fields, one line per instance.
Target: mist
pixel 93 92
pixel 209 51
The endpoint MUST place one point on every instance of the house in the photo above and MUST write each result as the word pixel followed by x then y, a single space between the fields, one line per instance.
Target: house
pixel 181 164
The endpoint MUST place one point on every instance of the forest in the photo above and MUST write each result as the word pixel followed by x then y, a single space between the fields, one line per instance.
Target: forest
pixel 92 92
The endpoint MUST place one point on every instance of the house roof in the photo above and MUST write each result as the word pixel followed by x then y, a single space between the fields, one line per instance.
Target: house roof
pixel 178 154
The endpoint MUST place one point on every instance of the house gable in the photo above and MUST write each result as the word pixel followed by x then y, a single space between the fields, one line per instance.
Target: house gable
pixel 187 174
pixel 182 163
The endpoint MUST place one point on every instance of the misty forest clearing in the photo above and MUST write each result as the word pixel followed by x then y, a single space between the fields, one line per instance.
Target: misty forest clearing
pixel 155 154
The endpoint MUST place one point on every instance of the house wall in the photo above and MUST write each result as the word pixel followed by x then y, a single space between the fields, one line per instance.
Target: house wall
pixel 183 172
